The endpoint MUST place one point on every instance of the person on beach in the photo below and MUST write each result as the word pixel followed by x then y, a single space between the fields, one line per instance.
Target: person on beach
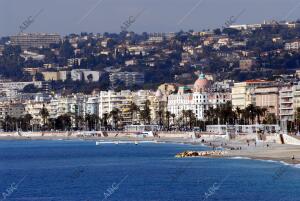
pixel 293 158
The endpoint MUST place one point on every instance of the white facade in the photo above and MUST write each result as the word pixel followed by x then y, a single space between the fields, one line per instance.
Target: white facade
pixel 198 102
pixel 85 74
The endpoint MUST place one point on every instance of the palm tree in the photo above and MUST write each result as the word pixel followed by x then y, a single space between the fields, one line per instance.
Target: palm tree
pixel 208 114
pixel 146 113
pixel 191 116
pixel 115 114
pixel 168 116
pixel 297 118
pixel 260 112
pixel 88 122
pixel 182 118
pixel 44 114
pixel 133 108
pixel 238 112
pixel 270 119
pixel 160 116
pixel 8 123
pixel 94 121
pixel 26 121
pixel 63 122
pixel 104 120
pixel 252 111
pixel 78 121
pixel 173 118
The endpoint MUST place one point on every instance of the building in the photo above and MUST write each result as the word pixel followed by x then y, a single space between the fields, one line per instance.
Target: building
pixel 75 62
pixel 128 79
pixel 289 101
pixel 247 64
pixel 243 93
pixel 35 40
pixel 198 98
pixel 109 100
pixel 85 75
pixel 292 46
pixel 11 108
pixel 268 97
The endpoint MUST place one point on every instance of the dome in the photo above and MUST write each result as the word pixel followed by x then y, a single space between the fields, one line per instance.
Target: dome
pixel 201 83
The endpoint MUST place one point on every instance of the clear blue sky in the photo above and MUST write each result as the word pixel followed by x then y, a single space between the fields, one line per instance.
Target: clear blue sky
pixel 98 16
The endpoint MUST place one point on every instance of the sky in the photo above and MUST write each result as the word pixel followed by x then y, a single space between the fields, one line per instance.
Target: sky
pixel 99 16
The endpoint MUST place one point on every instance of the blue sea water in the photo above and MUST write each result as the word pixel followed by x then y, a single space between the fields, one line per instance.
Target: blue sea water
pixel 81 171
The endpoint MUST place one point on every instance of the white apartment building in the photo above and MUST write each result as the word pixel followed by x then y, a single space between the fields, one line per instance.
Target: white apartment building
pixel 180 101
pixel 197 102
pixel 292 45
pixel 34 108
pixel 108 100
pixel 36 40
pixel 198 99
pixel 85 74
pixel 289 101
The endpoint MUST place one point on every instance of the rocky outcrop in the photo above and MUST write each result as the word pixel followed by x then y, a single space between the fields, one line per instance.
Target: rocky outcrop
pixel 200 154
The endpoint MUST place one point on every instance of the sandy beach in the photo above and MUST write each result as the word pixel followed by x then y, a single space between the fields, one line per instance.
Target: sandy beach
pixel 261 150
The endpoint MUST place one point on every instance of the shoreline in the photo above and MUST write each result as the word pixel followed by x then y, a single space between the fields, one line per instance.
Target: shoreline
pixel 262 151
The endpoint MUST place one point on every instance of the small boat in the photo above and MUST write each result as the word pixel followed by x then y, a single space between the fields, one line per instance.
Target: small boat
pixel 136 143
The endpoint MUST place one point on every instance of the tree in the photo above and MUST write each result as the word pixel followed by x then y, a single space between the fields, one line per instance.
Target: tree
pixel 133 109
pixel 146 113
pixel 78 121
pixel 168 116
pixel 238 112
pixel 104 120
pixel 115 114
pixel 260 112
pixel 270 119
pixel 173 118
pixel 44 114
pixel 27 121
pixel 252 111
pixel 297 118
pixel 191 118
pixel 63 122
pixel 160 117
pixel 94 120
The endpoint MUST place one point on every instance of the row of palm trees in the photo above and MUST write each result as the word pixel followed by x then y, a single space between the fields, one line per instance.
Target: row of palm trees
pixel 225 114
pixel 222 114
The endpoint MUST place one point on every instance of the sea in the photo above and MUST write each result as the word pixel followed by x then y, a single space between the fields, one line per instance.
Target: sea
pixel 81 171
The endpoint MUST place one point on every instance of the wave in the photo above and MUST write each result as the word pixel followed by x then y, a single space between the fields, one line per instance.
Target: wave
pixel 239 157
pixel 124 142
pixel 268 161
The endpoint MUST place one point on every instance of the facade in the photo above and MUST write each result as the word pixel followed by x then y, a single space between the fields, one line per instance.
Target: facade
pixel 289 101
pixel 198 99
pixel 243 93
pixel 128 78
pixel 292 46
pixel 85 75
pixel 35 40
pixel 12 109
pixel 268 97
pixel 246 64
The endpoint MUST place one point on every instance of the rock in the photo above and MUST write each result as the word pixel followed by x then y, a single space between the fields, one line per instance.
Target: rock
pixel 201 153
